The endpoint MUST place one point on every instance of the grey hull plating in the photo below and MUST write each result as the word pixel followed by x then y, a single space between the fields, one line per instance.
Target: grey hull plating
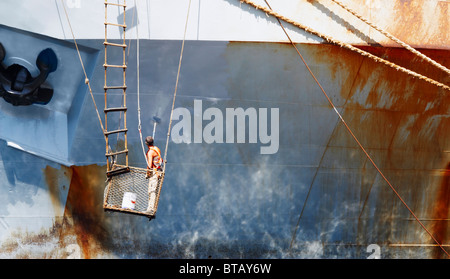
pixel 318 196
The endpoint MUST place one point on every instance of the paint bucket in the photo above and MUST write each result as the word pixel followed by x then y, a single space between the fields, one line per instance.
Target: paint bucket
pixel 129 200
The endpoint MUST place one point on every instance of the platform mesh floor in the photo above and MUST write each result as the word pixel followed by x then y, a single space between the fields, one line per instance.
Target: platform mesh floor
pixel 135 182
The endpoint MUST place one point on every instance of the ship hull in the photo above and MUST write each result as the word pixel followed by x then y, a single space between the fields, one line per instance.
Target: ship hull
pixel 317 195
pixel 348 160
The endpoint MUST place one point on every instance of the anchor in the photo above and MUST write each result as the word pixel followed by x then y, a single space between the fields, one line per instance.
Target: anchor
pixel 19 88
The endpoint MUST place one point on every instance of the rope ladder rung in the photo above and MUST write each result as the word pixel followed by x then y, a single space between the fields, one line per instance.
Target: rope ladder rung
pixel 115 87
pixel 106 110
pixel 114 66
pixel 118 171
pixel 115 4
pixel 114 44
pixel 107 133
pixel 116 24
pixel 116 153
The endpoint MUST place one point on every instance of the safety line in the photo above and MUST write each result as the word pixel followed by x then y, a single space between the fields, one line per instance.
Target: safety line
pixel 359 144
pixel 128 55
pixel 176 85
pixel 138 87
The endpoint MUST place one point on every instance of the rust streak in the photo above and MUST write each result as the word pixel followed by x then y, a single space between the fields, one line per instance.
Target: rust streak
pixel 52 178
pixel 399 119
pixel 52 182
pixel 441 211
pixel 84 206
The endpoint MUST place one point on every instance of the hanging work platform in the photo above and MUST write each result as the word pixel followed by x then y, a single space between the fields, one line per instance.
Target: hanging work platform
pixel 129 192
pixel 128 189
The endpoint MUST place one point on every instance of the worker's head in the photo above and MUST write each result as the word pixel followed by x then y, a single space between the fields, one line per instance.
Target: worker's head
pixel 149 140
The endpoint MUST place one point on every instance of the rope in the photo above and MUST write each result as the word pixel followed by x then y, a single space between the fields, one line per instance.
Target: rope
pixel 138 88
pixel 128 55
pixel 359 144
pixel 390 36
pixel 345 45
pixel 176 84
pixel 84 70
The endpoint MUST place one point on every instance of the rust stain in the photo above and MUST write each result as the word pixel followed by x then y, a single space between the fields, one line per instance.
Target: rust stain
pixel 52 178
pixel 402 121
pixel 409 17
pixel 82 222
pixel 409 113
pixel 441 212
pixel 356 73
pixel 415 114
pixel 417 22
pixel 85 207
pixel 13 245
pixel 411 22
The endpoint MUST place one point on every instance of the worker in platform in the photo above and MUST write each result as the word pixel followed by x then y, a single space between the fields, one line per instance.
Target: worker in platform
pixel 154 162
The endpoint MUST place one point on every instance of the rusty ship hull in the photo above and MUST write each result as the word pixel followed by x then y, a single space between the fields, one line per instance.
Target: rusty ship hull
pixel 317 196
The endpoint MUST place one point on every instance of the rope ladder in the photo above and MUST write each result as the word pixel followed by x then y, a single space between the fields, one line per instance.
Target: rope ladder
pixel 129 189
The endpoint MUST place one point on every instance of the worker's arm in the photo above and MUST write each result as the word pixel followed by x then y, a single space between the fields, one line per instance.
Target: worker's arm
pixel 149 158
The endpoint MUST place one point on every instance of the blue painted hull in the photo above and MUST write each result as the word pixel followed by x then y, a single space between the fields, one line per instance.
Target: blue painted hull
pixel 317 196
